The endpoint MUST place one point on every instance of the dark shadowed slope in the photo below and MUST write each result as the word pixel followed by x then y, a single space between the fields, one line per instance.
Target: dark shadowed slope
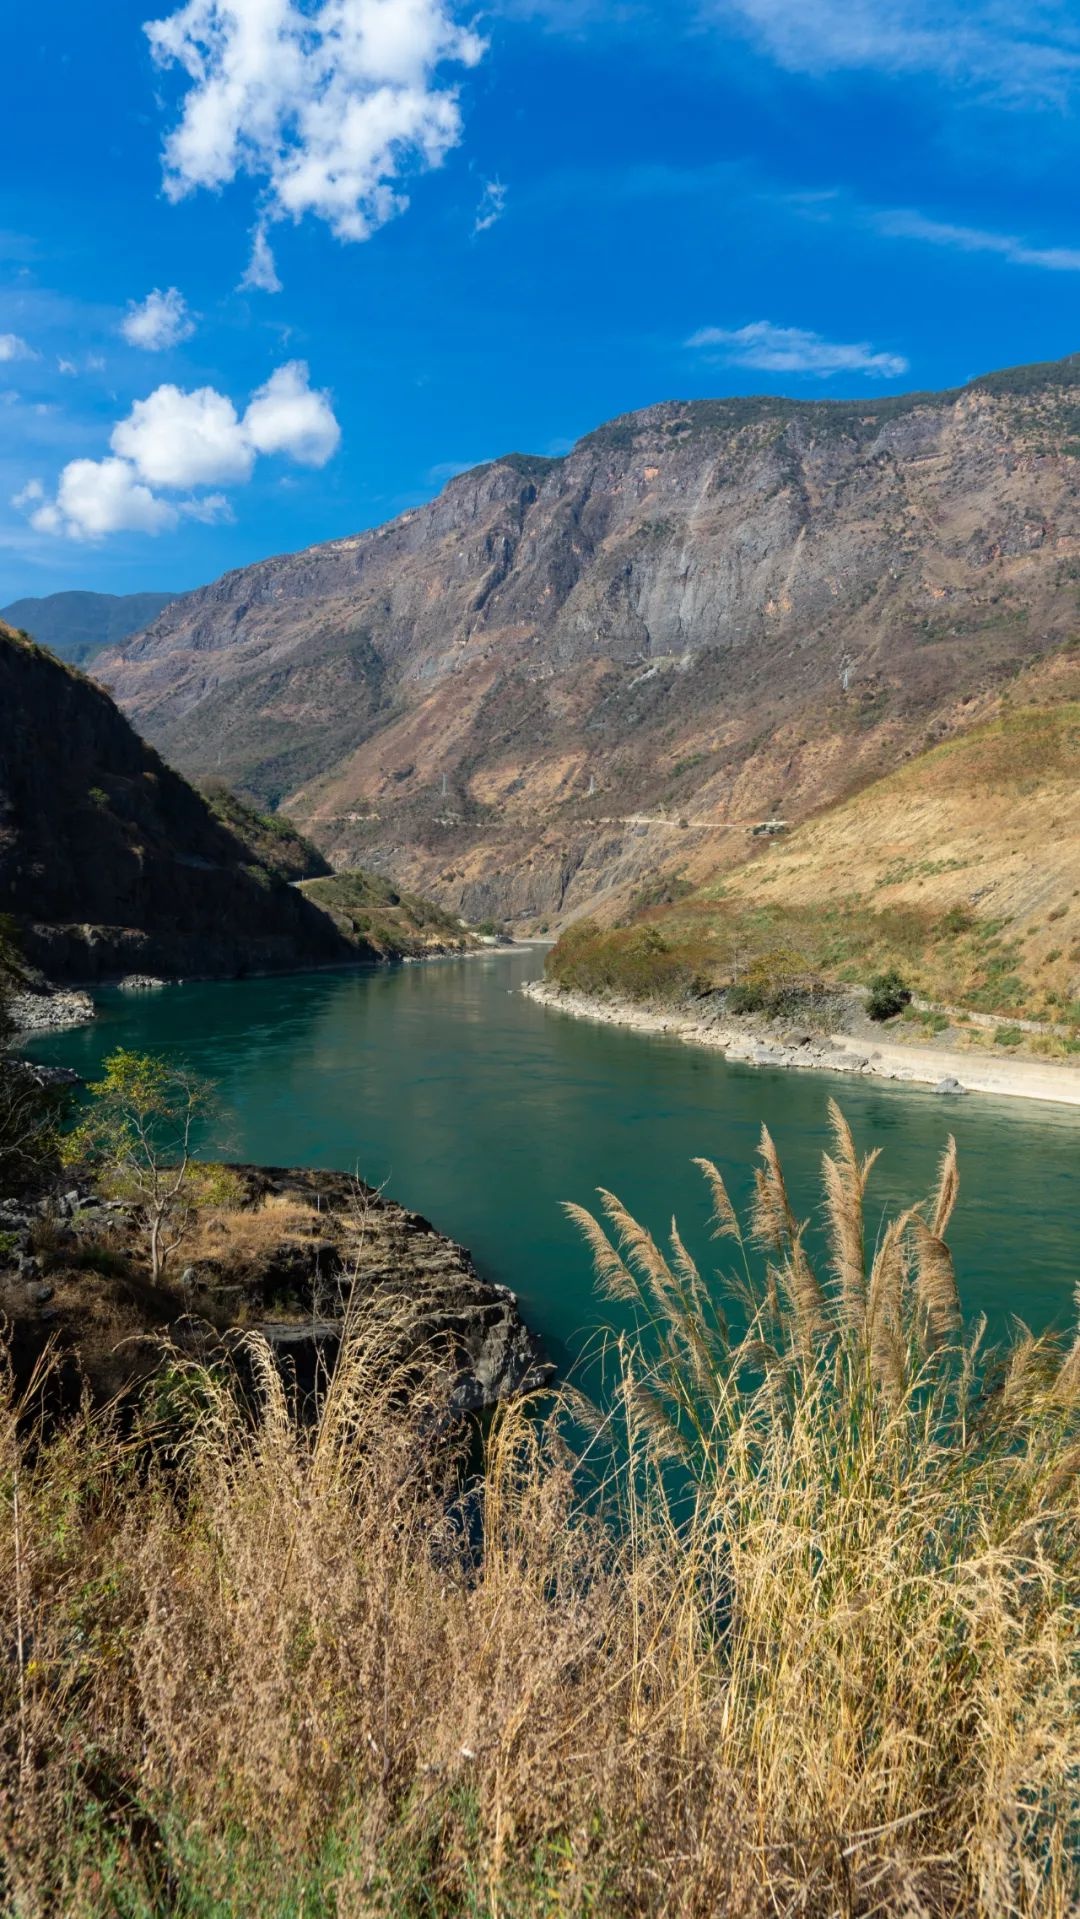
pixel 110 862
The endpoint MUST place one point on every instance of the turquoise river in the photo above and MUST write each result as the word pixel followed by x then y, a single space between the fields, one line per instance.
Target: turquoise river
pixel 483 1111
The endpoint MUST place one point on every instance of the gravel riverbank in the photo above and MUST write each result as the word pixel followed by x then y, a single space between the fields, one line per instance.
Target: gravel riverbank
pixel 943 1069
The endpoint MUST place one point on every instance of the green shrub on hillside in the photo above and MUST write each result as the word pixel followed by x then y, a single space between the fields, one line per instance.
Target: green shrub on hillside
pixel 889 994
pixel 776 983
pixel 637 961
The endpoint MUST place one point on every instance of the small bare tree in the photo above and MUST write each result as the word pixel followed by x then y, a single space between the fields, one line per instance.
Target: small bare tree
pixel 138 1134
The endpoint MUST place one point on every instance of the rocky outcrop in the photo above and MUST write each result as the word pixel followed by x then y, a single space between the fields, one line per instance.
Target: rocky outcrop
pixel 290 1256
pixel 110 863
pixel 563 675
pixel 47 1012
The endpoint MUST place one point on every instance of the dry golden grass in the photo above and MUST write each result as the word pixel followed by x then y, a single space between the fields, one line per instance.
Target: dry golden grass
pixel 961 868
pixel 788 1626
pixel 245 1232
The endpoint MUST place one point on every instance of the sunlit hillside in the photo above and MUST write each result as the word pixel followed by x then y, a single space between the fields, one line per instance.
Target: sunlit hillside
pixel 962 867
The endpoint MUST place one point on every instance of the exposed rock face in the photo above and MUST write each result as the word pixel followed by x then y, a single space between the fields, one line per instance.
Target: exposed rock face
pixel 562 675
pixel 367 1248
pixel 110 863
pixel 301 1246
pixel 48 1012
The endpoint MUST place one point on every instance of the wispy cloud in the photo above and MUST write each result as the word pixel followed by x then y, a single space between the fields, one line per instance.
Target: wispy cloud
pixel 13 347
pixel 784 349
pixel 261 274
pixel 906 224
pixel 492 206
pixel 445 470
pixel 160 321
pixel 1017 54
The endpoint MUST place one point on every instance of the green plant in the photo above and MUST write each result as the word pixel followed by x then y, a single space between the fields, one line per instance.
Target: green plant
pixel 1008 1036
pixel 958 920
pixel 137 1135
pixel 888 995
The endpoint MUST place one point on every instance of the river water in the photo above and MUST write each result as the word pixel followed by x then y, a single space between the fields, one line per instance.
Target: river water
pixel 483 1111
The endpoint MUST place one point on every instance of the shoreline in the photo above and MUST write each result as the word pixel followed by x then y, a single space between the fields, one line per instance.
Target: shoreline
pixel 61 1007
pixel 940 1069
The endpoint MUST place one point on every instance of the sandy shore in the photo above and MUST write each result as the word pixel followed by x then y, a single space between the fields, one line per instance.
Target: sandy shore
pixel 944 1069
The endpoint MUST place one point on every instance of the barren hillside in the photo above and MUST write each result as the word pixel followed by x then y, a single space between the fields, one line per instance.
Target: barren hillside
pixel 962 868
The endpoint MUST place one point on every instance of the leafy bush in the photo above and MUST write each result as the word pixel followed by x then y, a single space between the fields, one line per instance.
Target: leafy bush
pixel 636 960
pixel 776 983
pixel 1009 1036
pixel 889 994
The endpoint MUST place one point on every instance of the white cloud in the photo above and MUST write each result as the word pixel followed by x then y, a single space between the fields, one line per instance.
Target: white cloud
pixel 909 225
pixel 329 106
pixel 96 497
pixel 14 348
pixel 261 274
pixel 492 206
pixel 66 366
pixel 1014 53
pixel 286 416
pixel 178 441
pixel 787 349
pixel 161 320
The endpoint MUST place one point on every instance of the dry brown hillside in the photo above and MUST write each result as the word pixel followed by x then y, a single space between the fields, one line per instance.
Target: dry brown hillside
pixel 563 676
pixel 962 868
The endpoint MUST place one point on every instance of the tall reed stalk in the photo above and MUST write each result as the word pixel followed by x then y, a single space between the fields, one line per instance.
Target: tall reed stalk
pixel 812 1649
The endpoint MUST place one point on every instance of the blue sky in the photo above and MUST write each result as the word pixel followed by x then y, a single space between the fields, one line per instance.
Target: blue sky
pixel 607 205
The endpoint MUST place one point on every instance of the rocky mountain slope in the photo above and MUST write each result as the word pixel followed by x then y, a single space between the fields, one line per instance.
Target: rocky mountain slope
pixel 110 862
pixel 75 626
pixel 564 675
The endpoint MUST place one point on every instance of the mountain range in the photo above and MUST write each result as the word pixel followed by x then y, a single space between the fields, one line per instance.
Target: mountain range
pixel 564 676
pixel 75 626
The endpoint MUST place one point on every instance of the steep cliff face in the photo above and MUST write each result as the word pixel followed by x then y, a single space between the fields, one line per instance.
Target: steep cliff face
pixel 561 675
pixel 110 862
